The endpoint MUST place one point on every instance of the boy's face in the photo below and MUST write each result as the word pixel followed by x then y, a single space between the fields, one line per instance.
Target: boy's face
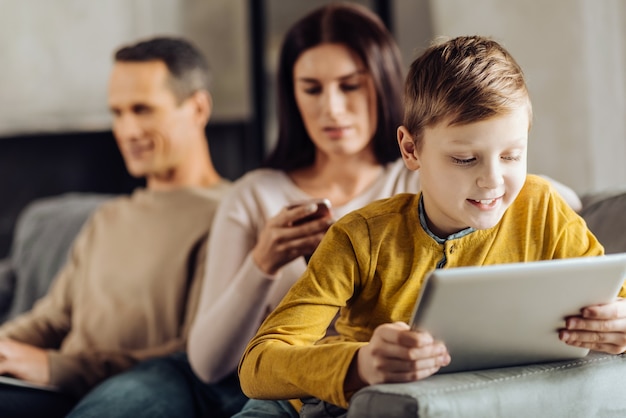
pixel 471 173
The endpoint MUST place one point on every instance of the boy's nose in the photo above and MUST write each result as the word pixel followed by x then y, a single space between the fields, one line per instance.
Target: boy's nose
pixel 491 176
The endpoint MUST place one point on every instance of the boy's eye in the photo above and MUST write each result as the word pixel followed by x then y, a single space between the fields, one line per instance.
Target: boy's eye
pixel 512 157
pixel 465 161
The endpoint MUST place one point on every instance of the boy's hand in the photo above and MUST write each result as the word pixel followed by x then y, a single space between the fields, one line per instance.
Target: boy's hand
pixel 24 361
pixel 395 353
pixel 599 328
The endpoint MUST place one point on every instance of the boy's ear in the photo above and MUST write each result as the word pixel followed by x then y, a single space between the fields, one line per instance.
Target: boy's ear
pixel 408 149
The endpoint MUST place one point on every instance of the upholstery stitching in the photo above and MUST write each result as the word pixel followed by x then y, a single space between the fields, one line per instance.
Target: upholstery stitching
pixel 525 374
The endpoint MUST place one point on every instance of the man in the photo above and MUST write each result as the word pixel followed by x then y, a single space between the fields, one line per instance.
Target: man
pixel 129 289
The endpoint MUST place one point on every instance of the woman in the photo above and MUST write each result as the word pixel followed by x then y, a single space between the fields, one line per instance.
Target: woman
pixel 339 89
pixel 340 79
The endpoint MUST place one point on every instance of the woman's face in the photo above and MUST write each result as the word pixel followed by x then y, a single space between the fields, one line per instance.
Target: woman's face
pixel 336 97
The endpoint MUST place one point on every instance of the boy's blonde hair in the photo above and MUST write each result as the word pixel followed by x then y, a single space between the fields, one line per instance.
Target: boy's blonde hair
pixel 463 80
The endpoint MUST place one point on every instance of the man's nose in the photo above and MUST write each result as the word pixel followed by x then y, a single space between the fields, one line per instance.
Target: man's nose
pixel 126 127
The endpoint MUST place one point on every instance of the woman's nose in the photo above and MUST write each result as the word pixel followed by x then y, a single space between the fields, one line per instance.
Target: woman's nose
pixel 334 102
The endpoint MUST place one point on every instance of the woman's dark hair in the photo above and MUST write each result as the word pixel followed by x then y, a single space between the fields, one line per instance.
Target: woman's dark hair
pixel 362 32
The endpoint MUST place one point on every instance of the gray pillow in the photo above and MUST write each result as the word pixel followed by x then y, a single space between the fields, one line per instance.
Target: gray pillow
pixel 605 214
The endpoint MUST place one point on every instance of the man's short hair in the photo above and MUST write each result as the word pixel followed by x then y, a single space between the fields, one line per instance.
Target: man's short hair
pixel 462 80
pixel 188 68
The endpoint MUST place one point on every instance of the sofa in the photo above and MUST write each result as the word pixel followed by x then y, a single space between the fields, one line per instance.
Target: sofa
pixel 590 387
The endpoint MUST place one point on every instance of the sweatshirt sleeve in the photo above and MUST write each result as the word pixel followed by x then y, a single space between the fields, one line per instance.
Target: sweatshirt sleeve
pixel 232 298
pixel 286 359
pixel 49 321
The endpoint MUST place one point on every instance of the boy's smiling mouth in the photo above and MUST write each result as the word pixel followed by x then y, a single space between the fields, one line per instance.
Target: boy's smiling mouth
pixel 485 203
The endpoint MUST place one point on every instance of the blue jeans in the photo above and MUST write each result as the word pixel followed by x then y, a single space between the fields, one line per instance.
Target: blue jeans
pixel 311 408
pixel 162 387
pixel 255 408
pixel 16 402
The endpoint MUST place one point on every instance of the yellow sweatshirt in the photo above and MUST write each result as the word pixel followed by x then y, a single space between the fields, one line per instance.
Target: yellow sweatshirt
pixel 370 266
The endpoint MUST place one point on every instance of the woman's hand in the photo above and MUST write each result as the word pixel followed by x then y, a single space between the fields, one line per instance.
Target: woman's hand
pixel 395 353
pixel 599 328
pixel 281 241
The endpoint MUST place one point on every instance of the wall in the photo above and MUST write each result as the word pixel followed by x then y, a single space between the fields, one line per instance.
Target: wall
pixel 57 56
pixel 572 52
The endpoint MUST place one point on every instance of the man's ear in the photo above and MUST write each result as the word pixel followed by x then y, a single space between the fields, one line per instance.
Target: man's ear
pixel 408 149
pixel 202 106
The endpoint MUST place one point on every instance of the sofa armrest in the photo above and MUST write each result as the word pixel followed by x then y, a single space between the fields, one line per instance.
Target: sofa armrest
pixel 590 387
pixel 7 286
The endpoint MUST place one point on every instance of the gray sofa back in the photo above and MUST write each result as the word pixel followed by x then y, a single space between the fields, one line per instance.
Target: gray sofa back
pixel 605 214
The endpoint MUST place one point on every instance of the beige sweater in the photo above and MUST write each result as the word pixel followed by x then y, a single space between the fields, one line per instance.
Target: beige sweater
pixel 129 289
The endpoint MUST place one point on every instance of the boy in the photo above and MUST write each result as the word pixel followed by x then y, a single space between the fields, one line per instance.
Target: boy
pixel 467 117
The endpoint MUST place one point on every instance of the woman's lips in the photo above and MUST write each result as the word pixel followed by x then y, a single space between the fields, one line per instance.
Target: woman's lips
pixel 337 132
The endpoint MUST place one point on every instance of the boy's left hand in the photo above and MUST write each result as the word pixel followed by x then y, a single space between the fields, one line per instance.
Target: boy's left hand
pixel 599 328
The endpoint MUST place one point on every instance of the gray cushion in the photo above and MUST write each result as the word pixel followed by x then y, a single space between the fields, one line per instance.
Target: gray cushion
pixel 7 286
pixel 43 236
pixel 605 214
pixel 589 387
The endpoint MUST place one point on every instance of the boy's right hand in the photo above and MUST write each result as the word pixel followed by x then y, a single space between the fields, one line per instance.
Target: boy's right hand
pixel 395 353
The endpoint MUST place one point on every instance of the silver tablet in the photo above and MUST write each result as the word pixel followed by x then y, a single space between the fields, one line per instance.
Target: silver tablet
pixel 510 314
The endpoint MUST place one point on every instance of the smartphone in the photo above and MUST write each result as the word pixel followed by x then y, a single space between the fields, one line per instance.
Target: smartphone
pixel 323 209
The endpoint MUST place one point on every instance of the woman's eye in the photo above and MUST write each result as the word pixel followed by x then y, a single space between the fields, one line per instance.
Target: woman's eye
pixel 463 161
pixel 350 87
pixel 313 90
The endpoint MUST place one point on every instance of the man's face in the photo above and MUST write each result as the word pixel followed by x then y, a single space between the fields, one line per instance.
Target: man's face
pixel 152 130
pixel 469 174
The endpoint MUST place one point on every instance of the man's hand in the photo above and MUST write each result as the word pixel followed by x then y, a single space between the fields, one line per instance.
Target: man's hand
pixel 599 328
pixel 24 361
pixel 395 353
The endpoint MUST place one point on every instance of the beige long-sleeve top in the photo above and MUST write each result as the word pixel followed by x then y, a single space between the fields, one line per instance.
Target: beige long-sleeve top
pixel 129 289
pixel 236 294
